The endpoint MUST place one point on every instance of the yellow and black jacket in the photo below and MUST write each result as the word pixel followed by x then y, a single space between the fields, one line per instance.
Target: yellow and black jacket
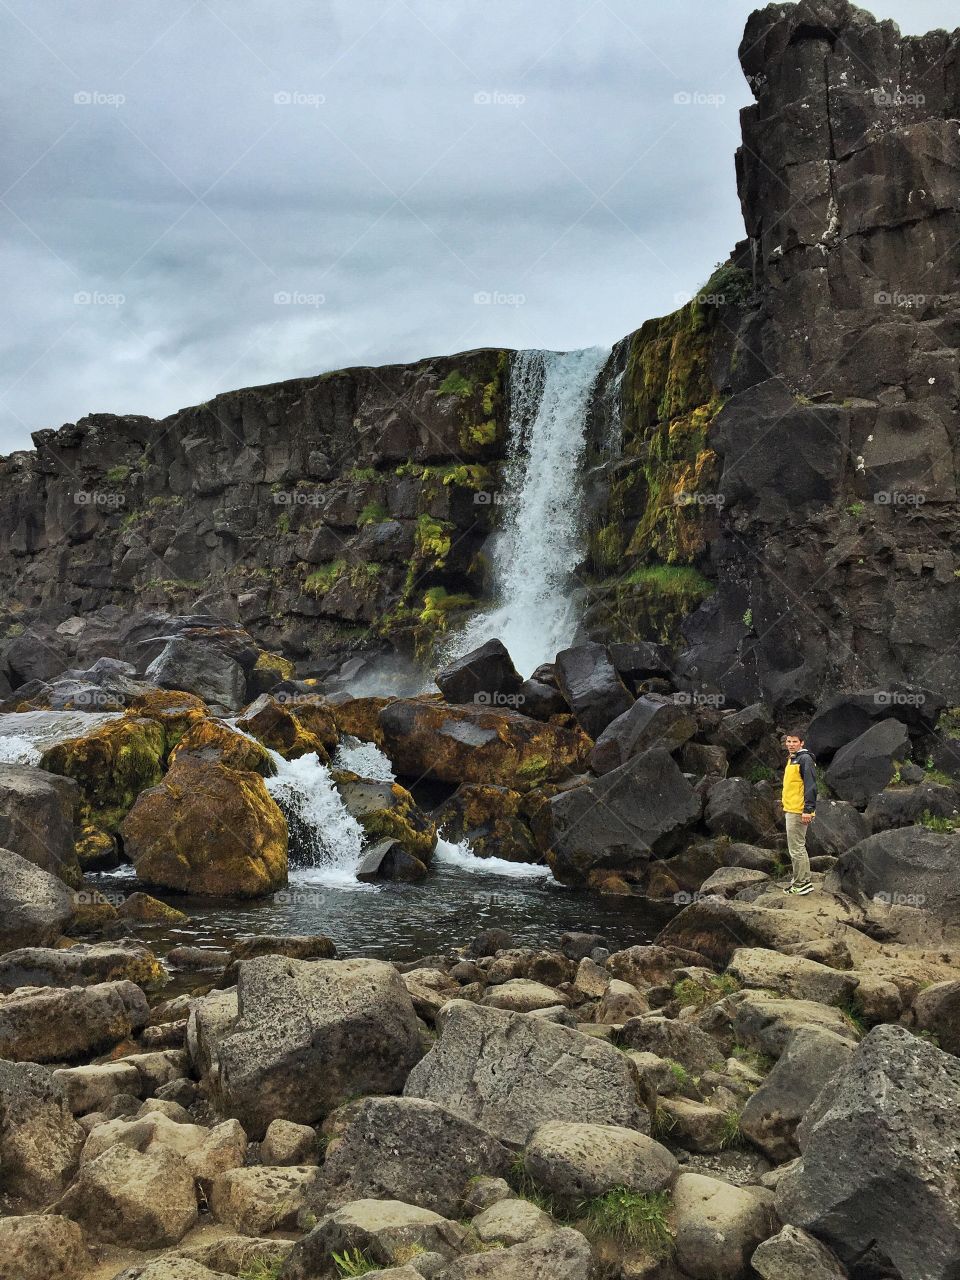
pixel 800 783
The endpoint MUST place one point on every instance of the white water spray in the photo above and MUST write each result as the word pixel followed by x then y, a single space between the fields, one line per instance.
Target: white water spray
pixel 330 839
pixel 541 542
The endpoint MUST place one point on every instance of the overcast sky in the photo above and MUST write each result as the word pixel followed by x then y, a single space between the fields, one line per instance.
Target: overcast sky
pixel 206 194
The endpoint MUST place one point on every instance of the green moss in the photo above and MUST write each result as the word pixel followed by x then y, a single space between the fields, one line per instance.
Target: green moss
pixel 478 436
pixel 363 473
pixel 117 475
pixel 695 995
pixel 283 522
pixel 752 1058
pixel 410 469
pixel 934 823
pixel 433 540
pixel 455 384
pixel 372 513
pixel 438 604
pixel 729 285
pixel 322 579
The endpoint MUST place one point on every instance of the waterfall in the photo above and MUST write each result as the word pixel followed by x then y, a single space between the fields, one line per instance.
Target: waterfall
pixel 25 735
pixel 327 838
pixel 541 540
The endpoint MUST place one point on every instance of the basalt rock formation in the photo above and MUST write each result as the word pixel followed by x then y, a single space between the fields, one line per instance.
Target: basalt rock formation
pixel 780 505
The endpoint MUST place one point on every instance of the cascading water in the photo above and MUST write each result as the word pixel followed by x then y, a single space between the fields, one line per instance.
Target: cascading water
pixel 325 839
pixel 541 541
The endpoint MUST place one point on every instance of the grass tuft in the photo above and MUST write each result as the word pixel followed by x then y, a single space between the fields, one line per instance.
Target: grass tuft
pixel 630 1218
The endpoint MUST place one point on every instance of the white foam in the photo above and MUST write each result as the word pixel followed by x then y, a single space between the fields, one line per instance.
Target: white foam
pixel 461 856
pixel 363 758
pixel 331 837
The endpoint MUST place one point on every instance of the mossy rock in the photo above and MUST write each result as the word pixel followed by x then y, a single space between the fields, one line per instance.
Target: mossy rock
pixel 268 670
pixel 281 729
pixel 359 717
pixel 92 913
pixel 111 765
pixel 176 711
pixel 210 740
pixel 142 908
pixel 491 819
pixel 208 830
pixel 96 849
pixel 387 811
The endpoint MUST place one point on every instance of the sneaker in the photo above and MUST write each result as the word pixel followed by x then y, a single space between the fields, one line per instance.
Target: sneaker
pixel 788 888
pixel 801 888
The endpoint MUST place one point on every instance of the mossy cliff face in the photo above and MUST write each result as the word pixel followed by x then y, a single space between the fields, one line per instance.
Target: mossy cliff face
pixel 659 504
pixel 338 511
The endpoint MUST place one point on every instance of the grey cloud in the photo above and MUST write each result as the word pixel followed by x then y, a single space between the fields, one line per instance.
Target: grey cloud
pixel 523 147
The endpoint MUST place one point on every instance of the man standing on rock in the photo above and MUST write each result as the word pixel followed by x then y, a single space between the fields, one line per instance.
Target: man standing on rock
pixel 799 806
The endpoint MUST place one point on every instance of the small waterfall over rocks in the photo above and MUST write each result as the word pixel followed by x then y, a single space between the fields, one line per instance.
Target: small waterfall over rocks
pixel 541 541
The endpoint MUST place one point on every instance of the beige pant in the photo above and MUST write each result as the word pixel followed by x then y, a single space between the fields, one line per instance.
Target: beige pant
pixel 797 847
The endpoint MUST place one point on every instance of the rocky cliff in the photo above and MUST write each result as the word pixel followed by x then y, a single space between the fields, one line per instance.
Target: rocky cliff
pixel 780 499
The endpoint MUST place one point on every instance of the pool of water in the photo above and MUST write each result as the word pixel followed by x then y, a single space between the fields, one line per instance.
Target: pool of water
pixel 406 921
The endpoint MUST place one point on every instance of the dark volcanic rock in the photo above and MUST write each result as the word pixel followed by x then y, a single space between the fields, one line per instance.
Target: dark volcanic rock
pixel 651 722
pixel 908 866
pixel 485 676
pixel 619 820
pixel 865 766
pixel 590 683
pixel 880 1148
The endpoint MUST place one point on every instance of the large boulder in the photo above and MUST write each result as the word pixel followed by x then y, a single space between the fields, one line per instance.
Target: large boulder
pixel 508 1073
pixel 114 762
pixel 255 1201
pixel 492 819
pixel 41 1247
pixel 652 721
pixel 864 766
pixel 126 1197
pixel 716 928
pixel 35 906
pixel 563 1254
pixel 387 811
pixel 880 1149
pixel 55 1024
pixel 81 965
pixel 908 866
pixel 718 1226
pixel 576 1162
pixel 794 976
pixel 196 667
pixel 407 1149
pixel 311 1034
pixel 207 829
pixel 383 1230
pixel 837 827
pixel 622 819
pixel 936 1011
pixel 845 716
pixel 742 810
pixel 485 676
pixel 40 1142
pixel 292 731
pixel 592 686
pixel 37 813
pixel 771 1115
pixel 428 739
pixel 793 1254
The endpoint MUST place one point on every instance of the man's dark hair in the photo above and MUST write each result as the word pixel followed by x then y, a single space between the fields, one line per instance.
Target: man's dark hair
pixel 794 733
